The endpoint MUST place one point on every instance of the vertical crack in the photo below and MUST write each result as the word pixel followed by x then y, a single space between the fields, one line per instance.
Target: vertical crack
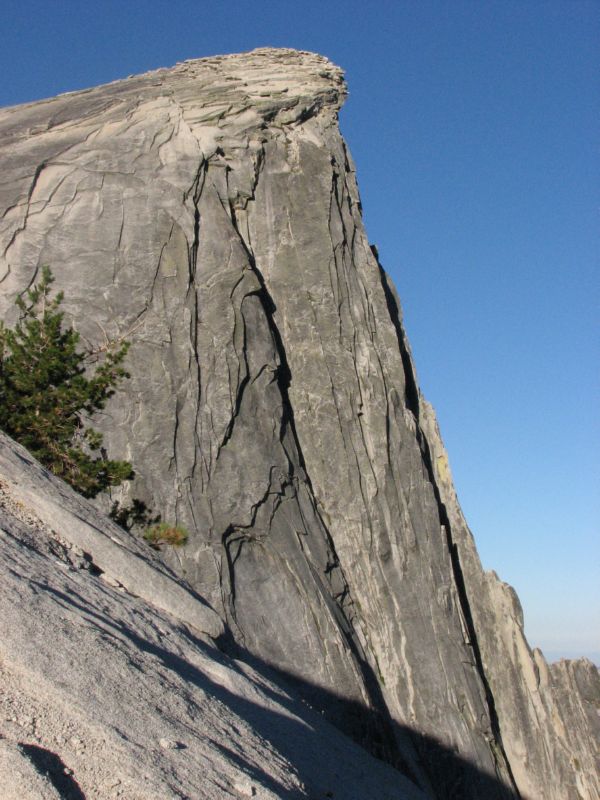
pixel 38 171
pixel 195 192
pixel 411 390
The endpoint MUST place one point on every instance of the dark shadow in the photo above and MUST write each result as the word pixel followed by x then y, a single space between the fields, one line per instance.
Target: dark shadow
pixel 448 775
pixel 411 390
pixel 50 765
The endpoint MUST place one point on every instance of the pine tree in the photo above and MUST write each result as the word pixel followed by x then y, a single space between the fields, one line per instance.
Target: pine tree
pixel 49 390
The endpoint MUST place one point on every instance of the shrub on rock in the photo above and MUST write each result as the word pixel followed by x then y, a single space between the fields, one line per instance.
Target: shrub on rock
pixel 50 389
pixel 164 533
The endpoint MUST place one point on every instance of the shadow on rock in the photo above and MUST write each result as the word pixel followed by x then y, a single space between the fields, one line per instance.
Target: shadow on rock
pixel 439 771
pixel 299 735
pixel 49 764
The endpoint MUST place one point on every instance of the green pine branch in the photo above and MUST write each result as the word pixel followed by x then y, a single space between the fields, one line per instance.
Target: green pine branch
pixel 49 390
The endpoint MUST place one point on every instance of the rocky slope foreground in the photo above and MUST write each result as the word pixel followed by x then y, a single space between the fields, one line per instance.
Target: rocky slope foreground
pixel 111 684
pixel 209 214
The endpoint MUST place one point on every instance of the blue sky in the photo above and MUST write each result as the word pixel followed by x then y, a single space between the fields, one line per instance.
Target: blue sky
pixel 474 129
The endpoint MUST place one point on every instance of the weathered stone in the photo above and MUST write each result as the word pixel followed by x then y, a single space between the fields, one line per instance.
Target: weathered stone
pixel 210 215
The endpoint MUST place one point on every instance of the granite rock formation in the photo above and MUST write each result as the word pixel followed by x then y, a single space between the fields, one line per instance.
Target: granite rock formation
pixel 209 214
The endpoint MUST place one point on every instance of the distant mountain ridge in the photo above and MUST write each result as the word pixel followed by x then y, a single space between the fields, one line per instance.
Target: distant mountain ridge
pixel 556 655
pixel 210 214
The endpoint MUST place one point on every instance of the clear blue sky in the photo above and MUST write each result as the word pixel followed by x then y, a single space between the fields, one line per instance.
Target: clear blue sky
pixel 474 126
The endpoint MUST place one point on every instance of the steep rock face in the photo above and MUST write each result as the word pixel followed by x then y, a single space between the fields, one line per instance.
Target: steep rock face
pixel 210 215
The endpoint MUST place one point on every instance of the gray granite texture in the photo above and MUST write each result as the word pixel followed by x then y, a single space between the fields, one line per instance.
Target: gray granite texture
pixel 111 690
pixel 209 214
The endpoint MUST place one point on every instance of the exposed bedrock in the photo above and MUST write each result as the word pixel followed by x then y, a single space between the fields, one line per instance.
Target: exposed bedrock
pixel 209 214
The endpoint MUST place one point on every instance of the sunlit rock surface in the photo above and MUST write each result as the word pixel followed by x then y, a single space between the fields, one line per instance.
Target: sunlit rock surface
pixel 209 214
